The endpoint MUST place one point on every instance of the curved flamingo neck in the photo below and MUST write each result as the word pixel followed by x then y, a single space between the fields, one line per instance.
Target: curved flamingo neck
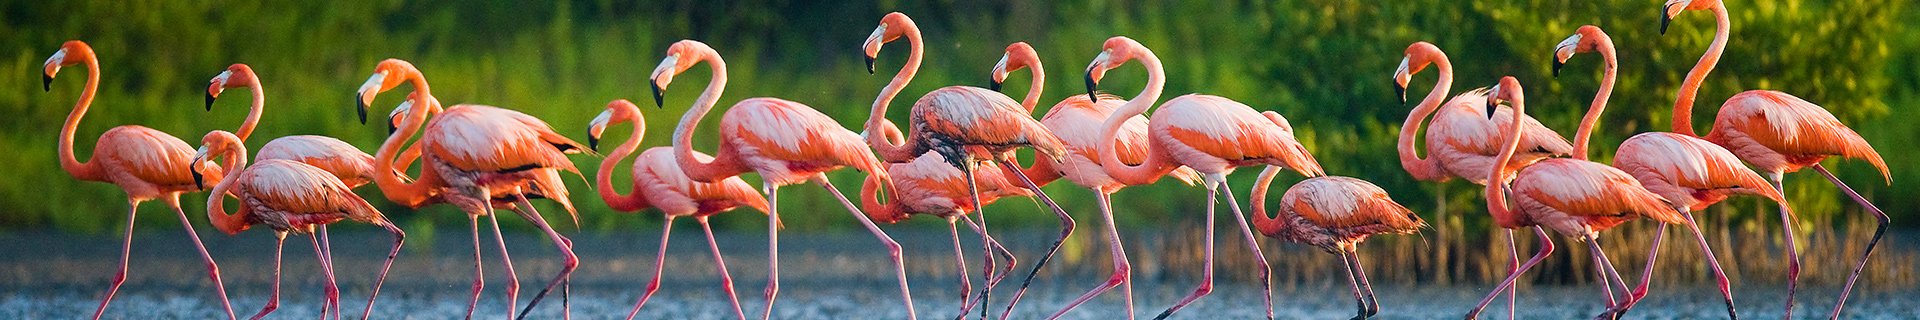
pixel 683 133
pixel 603 180
pixel 254 111
pixel 216 201
pixel 1426 168
pixel 1039 84
pixel 1496 193
pixel 1683 105
pixel 408 193
pixel 1158 162
pixel 890 212
pixel 80 170
pixel 1262 221
pixel 894 149
pixel 1599 105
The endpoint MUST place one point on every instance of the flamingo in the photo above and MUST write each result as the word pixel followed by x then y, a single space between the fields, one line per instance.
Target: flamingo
pixel 659 183
pixel 475 157
pixel 1690 173
pixel 1460 142
pixel 290 197
pixel 1211 134
pixel 1073 121
pixel 1777 133
pixel 348 164
pixel 1575 197
pixel 145 163
pixel 1334 214
pixel 785 142
pixel 928 185
pixel 959 122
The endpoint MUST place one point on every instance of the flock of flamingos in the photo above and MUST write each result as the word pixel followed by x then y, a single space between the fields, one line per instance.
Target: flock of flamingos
pixel 480 158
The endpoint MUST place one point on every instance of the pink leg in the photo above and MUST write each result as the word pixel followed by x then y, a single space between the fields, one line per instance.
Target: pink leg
pixel 1206 278
pixel 1122 270
pixel 1726 288
pixel 568 260
pixel 726 279
pixel 1612 275
pixel 273 299
pixel 1880 217
pixel 659 265
pixel 213 270
pixel 1360 272
pixel 513 279
pixel 973 190
pixel 960 263
pixel 995 274
pixel 1546 248
pixel 326 270
pixel 333 289
pixel 893 248
pixel 1793 249
pixel 1513 262
pixel 126 247
pixel 1066 229
pixel 1353 281
pixel 1600 273
pixel 399 238
pixel 773 247
pixel 479 275
pixel 1253 244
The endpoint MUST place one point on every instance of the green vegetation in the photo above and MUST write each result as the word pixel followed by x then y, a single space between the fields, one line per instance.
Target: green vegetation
pixel 1323 64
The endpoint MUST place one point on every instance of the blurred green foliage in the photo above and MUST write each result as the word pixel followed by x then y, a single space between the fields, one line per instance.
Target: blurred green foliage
pixel 1325 64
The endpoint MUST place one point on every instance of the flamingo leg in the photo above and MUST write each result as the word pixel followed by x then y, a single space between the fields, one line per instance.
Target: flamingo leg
pixel 1353 281
pixel 1880 217
pixel 213 270
pixel 126 247
pixel 973 191
pixel 513 279
pixel 1513 262
pixel 479 276
pixel 1546 248
pixel 1720 275
pixel 326 270
pixel 569 261
pixel 893 247
pixel 1639 291
pixel 994 277
pixel 1066 229
pixel 1253 244
pixel 1122 270
pixel 1600 273
pixel 773 246
pixel 399 238
pixel 659 265
pixel 960 263
pixel 273 299
pixel 720 263
pixel 1360 272
pixel 1206 278
pixel 326 260
pixel 1793 249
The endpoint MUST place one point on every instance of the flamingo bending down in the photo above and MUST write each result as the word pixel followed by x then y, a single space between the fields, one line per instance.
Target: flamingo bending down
pixel 1577 198
pixel 1074 120
pixel 145 163
pixel 784 141
pixel 659 183
pixel 1690 173
pixel 475 157
pixel 961 123
pixel 928 185
pixel 1778 133
pixel 1211 134
pixel 290 197
pixel 1334 214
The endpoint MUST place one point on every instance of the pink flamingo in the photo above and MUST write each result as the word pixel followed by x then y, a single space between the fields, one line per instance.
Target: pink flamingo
pixel 1461 141
pixel 290 197
pixel 349 164
pixel 928 185
pixel 1575 197
pixel 659 183
pixel 1211 134
pixel 475 157
pixel 1334 214
pixel 1778 133
pixel 784 141
pixel 1074 121
pixel 145 163
pixel 961 123
pixel 1690 173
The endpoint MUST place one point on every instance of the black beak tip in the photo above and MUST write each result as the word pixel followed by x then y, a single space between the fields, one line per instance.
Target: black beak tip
pixel 1090 85
pixel 1401 92
pixel 1556 67
pixel 360 105
pixel 198 181
pixel 869 64
pixel 659 95
pixel 1491 106
pixel 593 143
pixel 995 85
pixel 1665 19
pixel 209 102
pixel 46 83
pixel 392 127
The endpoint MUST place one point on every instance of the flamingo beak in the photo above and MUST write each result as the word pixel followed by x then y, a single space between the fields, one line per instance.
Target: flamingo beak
pixel 993 84
pixel 1492 104
pixel 1090 85
pixel 46 83
pixel 360 106
pixel 1400 91
pixel 659 95
pixel 593 140
pixel 1665 18
pixel 392 127
pixel 1556 66
pixel 869 64
pixel 198 181
pixel 209 101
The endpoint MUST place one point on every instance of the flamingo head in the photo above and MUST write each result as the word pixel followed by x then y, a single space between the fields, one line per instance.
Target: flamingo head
pixel 71 53
pixel 1419 55
pixel 1586 39
pixel 1673 8
pixel 387 75
pixel 680 56
pixel 1019 55
pixel 1114 52
pixel 399 113
pixel 215 144
pixel 235 76
pixel 617 111
pixel 892 26
pixel 1508 89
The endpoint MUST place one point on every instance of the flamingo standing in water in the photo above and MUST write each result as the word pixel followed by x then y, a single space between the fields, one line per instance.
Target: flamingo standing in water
pixel 1461 141
pixel 475 157
pixel 1211 134
pixel 1575 197
pixel 290 197
pixel 929 185
pixel 1778 133
pixel 145 163
pixel 659 183
pixel 1690 173
pixel 1074 121
pixel 784 141
pixel 1334 214
pixel 961 123
pixel 352 166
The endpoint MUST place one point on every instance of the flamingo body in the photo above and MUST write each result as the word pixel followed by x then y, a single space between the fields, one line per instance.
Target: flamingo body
pixel 666 187
pixel 1076 121
pixel 1581 198
pixel 146 163
pixel 787 142
pixel 1212 134
pixel 1466 141
pixel 1688 171
pixel 1778 132
pixel 293 196
pixel 346 163
pixel 1333 213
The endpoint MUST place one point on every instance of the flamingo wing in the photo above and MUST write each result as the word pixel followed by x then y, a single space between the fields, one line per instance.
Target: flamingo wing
pixel 345 162
pixel 1598 193
pixel 149 156
pixel 1662 160
pixel 491 139
pixel 301 189
pixel 1462 125
pixel 802 138
pixel 1792 127
pixel 982 117
pixel 1348 203
pixel 666 186
pixel 1227 130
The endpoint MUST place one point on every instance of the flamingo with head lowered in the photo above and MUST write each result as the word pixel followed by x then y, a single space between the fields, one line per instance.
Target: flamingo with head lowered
pixel 1334 214
pixel 930 186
